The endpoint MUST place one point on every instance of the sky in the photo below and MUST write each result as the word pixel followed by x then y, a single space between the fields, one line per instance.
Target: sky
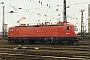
pixel 43 10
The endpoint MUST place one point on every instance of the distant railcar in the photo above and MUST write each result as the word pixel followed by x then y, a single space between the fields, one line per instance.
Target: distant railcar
pixel 0 36
pixel 61 33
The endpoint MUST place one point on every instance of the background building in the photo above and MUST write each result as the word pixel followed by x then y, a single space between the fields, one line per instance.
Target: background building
pixel 89 18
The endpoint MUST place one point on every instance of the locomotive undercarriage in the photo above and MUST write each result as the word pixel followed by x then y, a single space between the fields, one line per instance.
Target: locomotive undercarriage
pixel 51 40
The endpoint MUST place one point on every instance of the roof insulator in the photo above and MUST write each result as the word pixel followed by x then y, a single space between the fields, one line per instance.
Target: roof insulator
pixel 47 4
pixel 57 9
pixel 20 8
pixel 57 5
pixel 39 1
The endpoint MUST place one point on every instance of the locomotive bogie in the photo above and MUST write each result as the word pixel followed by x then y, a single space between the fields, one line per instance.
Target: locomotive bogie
pixel 69 41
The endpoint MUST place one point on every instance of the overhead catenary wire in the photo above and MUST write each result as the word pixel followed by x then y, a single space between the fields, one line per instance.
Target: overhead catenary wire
pixel 41 2
pixel 14 8
pixel 50 6
pixel 62 5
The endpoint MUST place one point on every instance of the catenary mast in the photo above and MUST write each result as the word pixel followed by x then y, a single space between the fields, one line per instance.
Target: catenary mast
pixel 64 11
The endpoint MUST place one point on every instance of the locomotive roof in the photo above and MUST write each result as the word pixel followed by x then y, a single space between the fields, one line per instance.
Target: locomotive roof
pixel 41 25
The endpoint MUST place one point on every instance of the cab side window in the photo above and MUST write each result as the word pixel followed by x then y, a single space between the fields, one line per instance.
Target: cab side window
pixel 11 30
pixel 67 28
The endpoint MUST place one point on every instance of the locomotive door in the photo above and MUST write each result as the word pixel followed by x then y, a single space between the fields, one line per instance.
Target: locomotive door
pixel 68 31
pixel 11 32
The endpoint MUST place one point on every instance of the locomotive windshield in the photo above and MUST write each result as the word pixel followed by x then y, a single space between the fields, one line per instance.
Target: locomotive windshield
pixel 11 29
pixel 75 28
pixel 67 28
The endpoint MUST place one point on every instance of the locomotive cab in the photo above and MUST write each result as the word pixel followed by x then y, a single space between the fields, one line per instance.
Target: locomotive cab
pixel 69 31
pixel 10 31
pixel 69 34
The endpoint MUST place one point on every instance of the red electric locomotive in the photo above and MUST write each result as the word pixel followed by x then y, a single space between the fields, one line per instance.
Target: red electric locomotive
pixel 60 33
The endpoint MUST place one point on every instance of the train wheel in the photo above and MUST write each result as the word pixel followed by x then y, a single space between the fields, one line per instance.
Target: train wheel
pixel 75 42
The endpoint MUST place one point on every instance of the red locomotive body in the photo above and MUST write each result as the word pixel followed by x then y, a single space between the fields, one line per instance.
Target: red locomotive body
pixel 59 33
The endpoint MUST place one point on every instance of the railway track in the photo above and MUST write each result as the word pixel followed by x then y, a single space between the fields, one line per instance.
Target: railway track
pixel 43 52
